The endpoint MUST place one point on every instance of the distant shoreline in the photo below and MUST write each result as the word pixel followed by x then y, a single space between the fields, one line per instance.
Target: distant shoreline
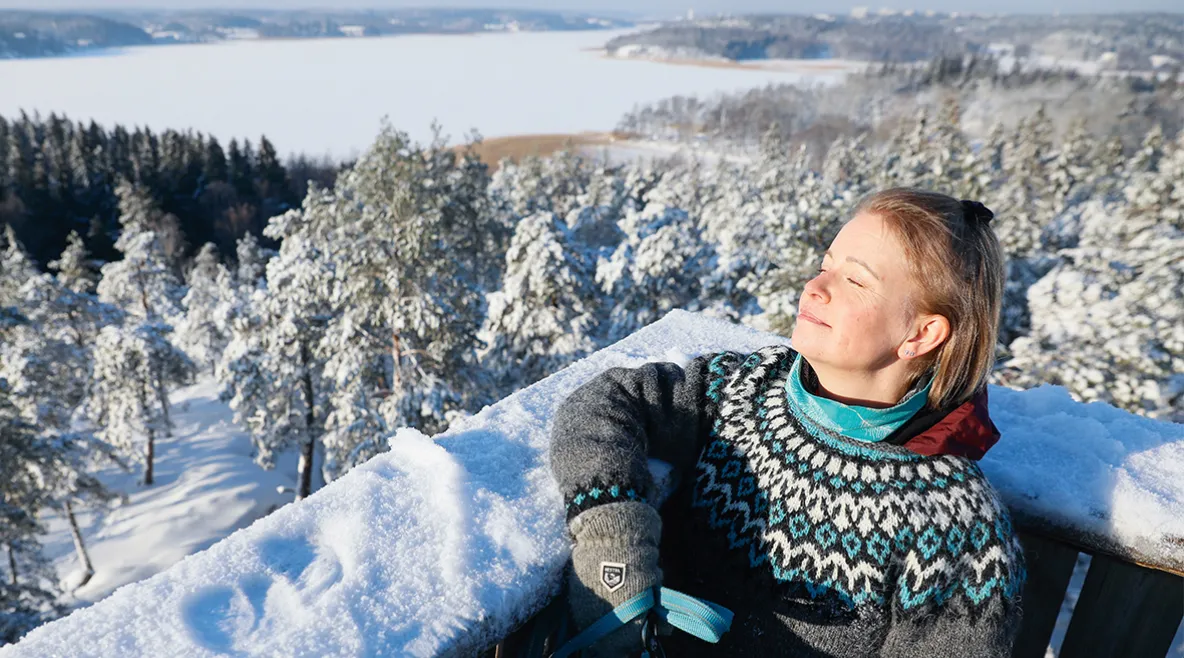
pixel 99 51
pixel 790 65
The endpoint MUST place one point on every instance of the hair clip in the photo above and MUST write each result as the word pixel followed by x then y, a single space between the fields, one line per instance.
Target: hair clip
pixel 975 210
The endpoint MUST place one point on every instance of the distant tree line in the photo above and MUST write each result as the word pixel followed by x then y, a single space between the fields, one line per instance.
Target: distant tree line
pixel 44 34
pixel 1126 41
pixel 802 37
pixel 58 176
pixel 38 34
pixel 875 101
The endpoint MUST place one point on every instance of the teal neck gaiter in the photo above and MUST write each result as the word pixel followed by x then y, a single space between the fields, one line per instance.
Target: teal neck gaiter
pixel 861 423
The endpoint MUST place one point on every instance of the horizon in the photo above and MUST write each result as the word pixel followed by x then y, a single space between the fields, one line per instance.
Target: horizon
pixel 665 8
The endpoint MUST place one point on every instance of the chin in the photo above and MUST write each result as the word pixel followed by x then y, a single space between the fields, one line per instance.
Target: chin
pixel 802 343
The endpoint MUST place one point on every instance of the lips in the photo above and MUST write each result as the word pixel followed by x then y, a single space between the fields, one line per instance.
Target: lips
pixel 811 318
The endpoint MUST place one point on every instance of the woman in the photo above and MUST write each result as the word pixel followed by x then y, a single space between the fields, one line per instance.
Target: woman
pixel 830 497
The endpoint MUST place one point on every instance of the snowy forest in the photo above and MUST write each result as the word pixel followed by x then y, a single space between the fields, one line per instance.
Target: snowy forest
pixel 419 284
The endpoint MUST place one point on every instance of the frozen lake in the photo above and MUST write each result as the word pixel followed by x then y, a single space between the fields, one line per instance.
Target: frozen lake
pixel 329 95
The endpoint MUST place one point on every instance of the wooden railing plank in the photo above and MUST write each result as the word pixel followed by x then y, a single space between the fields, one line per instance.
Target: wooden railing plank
pixel 1050 566
pixel 1124 610
pixel 1162 556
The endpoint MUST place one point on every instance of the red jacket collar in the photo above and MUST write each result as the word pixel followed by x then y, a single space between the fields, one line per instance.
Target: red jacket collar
pixel 967 431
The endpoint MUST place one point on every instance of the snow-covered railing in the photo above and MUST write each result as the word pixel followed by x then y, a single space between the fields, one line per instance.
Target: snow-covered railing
pixel 443 546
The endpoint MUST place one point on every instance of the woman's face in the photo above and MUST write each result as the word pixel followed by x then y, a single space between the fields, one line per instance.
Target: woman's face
pixel 856 314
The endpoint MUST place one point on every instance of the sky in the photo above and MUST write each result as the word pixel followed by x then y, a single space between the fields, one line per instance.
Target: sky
pixel 654 8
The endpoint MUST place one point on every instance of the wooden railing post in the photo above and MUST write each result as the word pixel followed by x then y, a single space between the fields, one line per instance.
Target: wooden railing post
pixel 1050 566
pixel 1124 610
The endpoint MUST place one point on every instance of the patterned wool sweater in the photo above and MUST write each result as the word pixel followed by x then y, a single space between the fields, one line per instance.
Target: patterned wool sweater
pixel 821 545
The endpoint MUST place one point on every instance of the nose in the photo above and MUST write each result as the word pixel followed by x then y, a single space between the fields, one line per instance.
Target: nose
pixel 818 288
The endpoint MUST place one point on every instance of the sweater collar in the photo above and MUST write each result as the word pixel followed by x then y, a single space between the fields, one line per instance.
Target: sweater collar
pixel 858 422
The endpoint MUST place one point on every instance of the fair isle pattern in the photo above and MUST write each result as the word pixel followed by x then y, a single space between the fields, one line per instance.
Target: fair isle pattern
pixel 599 493
pixel 860 523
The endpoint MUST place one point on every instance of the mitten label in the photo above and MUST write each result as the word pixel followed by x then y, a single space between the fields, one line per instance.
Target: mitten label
pixel 612 575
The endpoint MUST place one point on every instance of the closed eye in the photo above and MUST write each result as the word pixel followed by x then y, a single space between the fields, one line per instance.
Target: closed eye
pixel 854 282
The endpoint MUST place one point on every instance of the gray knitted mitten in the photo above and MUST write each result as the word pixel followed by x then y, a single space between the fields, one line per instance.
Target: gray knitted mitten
pixel 614 558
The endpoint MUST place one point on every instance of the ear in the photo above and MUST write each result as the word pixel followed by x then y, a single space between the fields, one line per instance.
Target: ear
pixel 929 333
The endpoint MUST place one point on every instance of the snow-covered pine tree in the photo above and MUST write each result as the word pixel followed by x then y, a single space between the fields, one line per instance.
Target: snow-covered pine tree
pixel 984 167
pixel 469 222
pixel 611 192
pixel 543 318
pixel 143 282
pixel 948 153
pixel 134 366
pixel 735 224
pixel 48 364
pixel 1023 200
pixel 201 332
pixel 27 581
pixel 16 269
pixel 272 369
pixel 251 260
pixel 1108 320
pixel 135 363
pixel 1024 206
pixel 402 343
pixel 904 155
pixel 1069 170
pixel 657 268
pixel 848 165
pixel 75 269
pixel 520 188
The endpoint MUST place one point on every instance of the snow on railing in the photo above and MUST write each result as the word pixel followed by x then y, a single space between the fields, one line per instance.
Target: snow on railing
pixel 443 545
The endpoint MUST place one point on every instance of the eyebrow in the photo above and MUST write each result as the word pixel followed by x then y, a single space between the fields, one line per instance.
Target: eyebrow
pixel 858 262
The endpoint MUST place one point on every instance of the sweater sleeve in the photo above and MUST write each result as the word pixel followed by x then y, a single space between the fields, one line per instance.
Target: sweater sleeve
pixel 604 432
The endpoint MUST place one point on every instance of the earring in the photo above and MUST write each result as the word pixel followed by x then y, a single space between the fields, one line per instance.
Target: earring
pixel 910 353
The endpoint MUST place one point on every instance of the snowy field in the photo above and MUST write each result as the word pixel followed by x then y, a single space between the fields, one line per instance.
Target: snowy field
pixel 329 95
pixel 442 544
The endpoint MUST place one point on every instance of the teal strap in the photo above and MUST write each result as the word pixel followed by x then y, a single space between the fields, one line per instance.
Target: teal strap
pixel 620 615
pixel 703 619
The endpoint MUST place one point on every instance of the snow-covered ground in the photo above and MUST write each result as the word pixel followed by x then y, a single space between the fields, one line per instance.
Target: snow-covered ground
pixel 207 486
pixel 328 95
pixel 442 544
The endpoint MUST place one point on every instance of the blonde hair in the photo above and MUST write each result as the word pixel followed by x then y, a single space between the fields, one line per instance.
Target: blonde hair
pixel 957 263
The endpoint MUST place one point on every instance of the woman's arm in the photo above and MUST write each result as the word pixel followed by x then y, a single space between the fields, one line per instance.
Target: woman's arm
pixel 606 430
pixel 601 441
pixel 948 634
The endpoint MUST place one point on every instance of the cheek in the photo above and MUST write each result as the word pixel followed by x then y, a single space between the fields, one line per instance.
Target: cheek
pixel 871 326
